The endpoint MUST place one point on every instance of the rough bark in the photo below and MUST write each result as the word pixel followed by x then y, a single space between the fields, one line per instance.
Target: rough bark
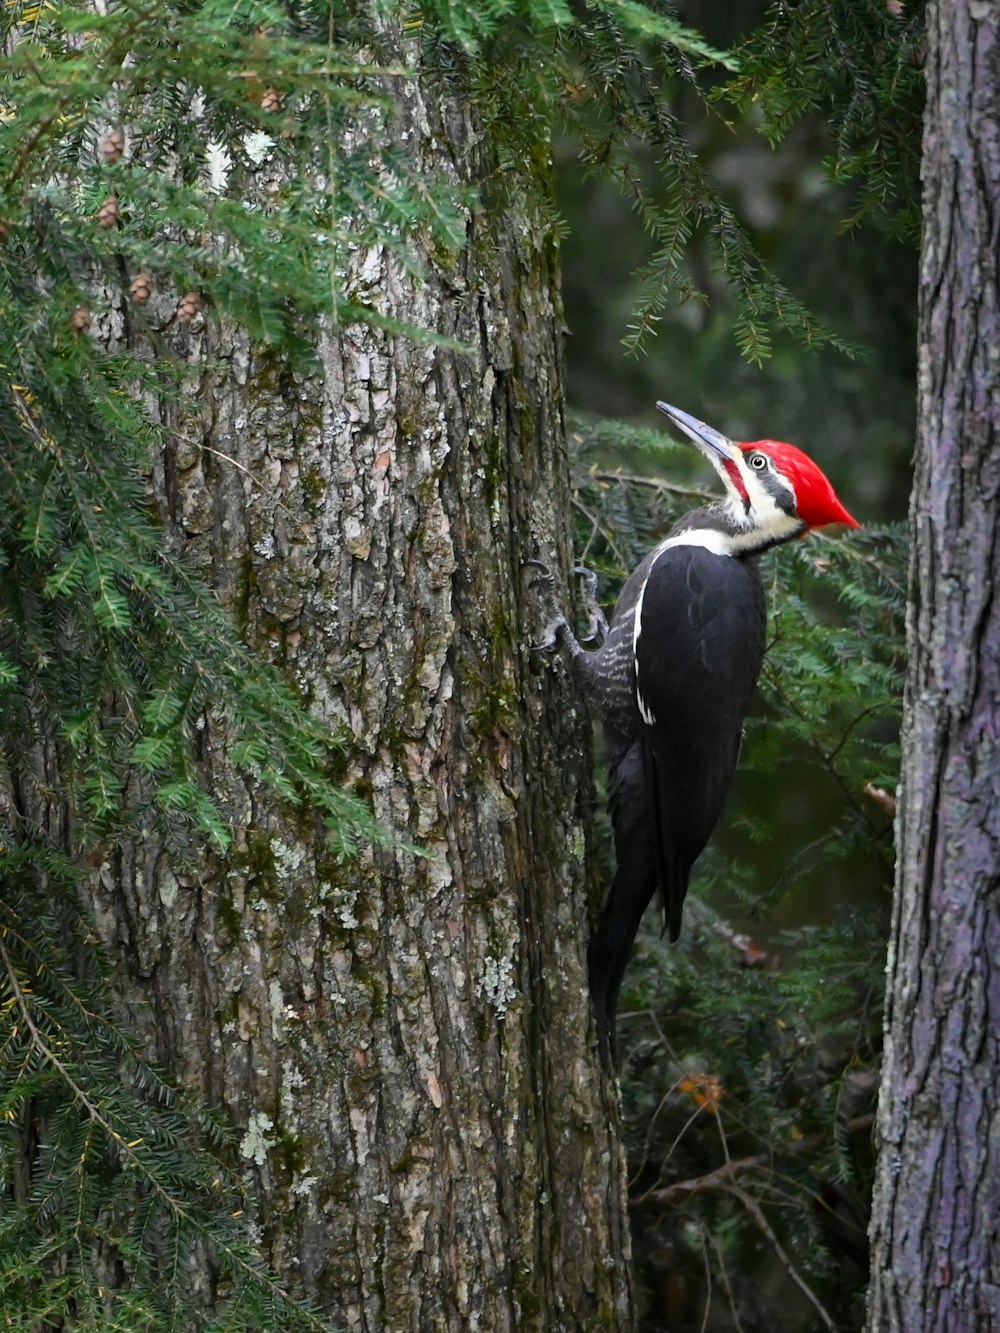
pixel 936 1243
pixel 406 1039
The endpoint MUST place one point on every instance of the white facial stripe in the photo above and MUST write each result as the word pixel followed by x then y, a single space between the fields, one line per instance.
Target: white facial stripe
pixel 762 495
pixel 766 523
pixel 769 525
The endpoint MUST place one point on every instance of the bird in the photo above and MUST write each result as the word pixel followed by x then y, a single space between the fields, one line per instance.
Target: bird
pixel 673 677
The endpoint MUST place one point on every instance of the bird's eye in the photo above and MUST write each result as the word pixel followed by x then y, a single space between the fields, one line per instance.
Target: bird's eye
pixel 758 462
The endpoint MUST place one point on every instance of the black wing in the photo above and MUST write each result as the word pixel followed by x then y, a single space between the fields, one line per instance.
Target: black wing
pixel 698 652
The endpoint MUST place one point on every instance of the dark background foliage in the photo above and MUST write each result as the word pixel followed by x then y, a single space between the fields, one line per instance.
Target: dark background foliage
pixel 755 1040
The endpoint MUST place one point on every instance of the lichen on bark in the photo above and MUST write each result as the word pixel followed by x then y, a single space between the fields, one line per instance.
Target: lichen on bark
pixel 403 1040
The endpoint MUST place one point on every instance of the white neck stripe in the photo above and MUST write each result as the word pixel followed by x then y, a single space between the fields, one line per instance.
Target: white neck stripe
pixel 711 539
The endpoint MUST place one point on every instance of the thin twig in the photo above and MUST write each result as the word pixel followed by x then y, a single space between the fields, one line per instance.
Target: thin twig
pixel 719 1179
pixel 605 532
pixel 708 1278
pixel 652 1125
pixel 724 1273
pixel 722 1177
pixel 655 483
pixel 757 1213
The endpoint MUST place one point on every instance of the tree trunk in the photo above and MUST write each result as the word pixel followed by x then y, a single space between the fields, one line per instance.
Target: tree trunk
pixel 404 1038
pixel 936 1247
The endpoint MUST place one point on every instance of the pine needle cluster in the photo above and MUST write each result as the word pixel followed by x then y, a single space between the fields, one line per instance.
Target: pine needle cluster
pixel 142 147
pixel 859 62
pixel 115 1193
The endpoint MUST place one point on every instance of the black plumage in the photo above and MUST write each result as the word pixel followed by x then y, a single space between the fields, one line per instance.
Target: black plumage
pixel 673 678
pixel 672 699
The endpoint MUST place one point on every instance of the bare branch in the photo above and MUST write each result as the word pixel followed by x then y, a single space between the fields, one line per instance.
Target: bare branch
pixel 757 1213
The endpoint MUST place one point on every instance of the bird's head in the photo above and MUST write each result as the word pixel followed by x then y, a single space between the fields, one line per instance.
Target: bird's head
pixel 778 490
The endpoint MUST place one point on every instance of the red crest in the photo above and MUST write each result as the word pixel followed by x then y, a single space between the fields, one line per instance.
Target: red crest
pixel 816 501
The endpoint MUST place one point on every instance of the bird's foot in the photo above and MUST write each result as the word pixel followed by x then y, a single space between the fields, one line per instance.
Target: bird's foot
pixel 597 628
pixel 551 636
pixel 543 583
pixel 558 633
pixel 544 578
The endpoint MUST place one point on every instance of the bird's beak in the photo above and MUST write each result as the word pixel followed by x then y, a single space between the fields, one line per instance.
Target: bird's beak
pixel 716 448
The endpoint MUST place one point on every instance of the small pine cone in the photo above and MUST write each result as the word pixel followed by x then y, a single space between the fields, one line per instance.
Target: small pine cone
pixel 113 146
pixel 273 100
pixel 4 232
pixel 80 320
pixel 109 214
pixel 141 288
pixel 188 306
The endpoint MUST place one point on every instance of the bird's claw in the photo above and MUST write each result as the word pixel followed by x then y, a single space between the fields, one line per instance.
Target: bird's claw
pixel 544 579
pixel 551 636
pixel 558 631
pixel 597 629
pixel 556 623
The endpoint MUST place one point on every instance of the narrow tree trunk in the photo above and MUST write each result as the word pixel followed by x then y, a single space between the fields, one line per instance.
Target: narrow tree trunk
pixel 405 1038
pixel 936 1245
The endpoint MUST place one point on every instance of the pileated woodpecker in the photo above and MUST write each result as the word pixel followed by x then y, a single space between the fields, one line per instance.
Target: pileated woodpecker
pixel 673 678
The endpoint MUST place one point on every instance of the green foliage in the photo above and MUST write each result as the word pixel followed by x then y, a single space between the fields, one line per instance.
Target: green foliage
pixel 112 648
pixel 620 109
pixel 230 155
pixel 755 1039
pixel 859 62
pixel 119 670
pixel 252 137
pixel 113 1184
pixel 114 651
pixel 862 283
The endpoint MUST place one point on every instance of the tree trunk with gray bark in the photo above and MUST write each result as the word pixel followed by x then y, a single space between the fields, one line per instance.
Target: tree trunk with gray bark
pixel 936 1246
pixel 404 1040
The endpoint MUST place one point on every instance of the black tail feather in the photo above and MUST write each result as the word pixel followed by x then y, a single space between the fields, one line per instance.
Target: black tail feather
pixel 672 867
pixel 650 854
pixel 610 950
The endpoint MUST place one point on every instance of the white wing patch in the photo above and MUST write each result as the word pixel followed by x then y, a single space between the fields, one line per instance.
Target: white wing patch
pixel 646 713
